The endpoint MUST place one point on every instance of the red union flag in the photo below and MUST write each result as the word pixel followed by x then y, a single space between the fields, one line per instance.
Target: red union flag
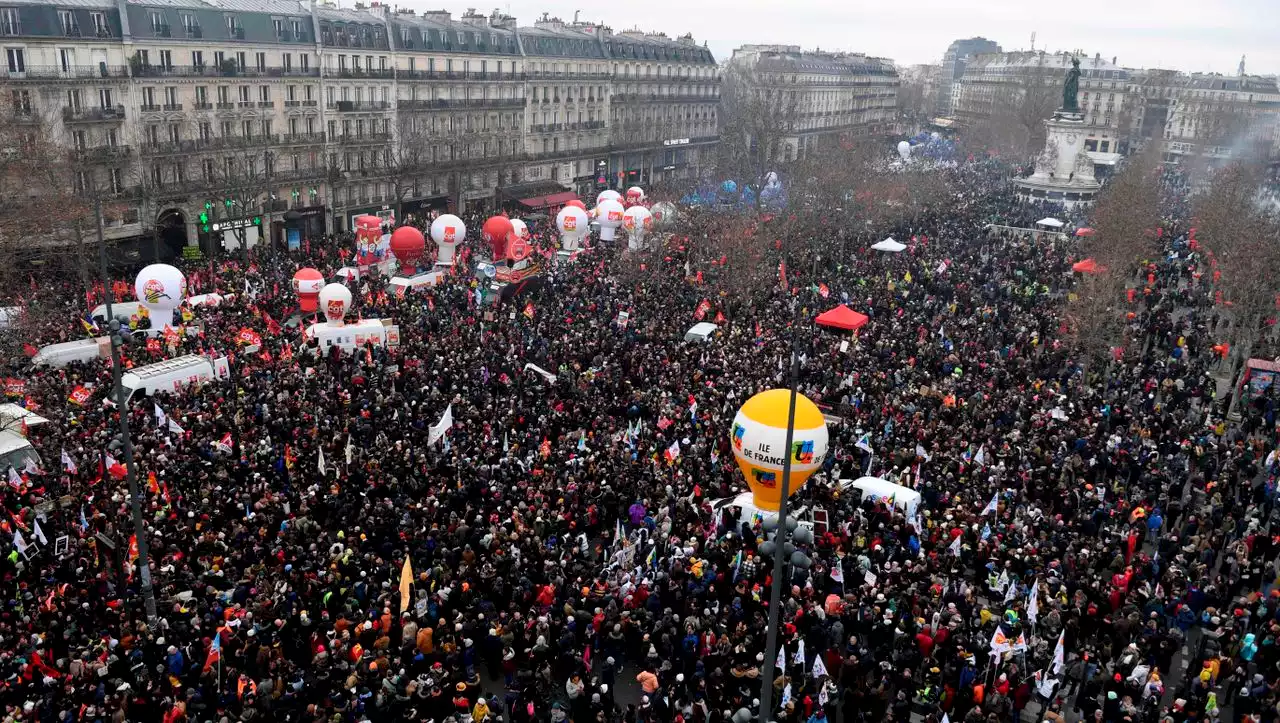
pixel 14 387
pixel 249 337
pixel 80 395
pixel 701 312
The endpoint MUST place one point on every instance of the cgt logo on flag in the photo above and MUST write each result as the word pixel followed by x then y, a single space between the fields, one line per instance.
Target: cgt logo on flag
pixel 738 432
pixel 153 291
pixel 765 478
pixel 802 452
pixel 333 311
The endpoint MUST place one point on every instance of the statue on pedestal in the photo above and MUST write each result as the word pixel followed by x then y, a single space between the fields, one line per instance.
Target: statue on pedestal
pixel 1071 87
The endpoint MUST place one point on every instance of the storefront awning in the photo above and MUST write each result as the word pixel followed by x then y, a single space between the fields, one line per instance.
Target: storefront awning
pixel 555 199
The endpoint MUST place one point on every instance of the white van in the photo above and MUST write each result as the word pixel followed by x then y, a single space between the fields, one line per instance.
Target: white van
pixel 701 331
pixel 123 310
pixel 382 332
pixel 876 488
pixel 172 374
pixel 743 508
pixel 80 350
pixel 15 450
pixel 409 283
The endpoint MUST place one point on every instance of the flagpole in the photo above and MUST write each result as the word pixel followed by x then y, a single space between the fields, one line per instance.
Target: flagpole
pixel 118 340
pixel 775 589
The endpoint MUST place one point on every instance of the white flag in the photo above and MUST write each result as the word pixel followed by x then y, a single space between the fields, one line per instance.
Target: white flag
pixel 980 458
pixel 68 464
pixel 1060 653
pixel 945 719
pixel 437 430
pixel 1011 593
pixel 922 454
pixel 864 443
pixel 781 662
pixel 175 429
pixel 1033 602
pixel 955 546
pixel 819 668
pixel 798 659
pixel 30 466
pixel 39 534
pixel 320 463
pixel 351 449
pixel 19 543
pixel 1002 582
pixel 991 506
pixel 786 695
pixel 837 571
pixel 160 416
pixel 15 479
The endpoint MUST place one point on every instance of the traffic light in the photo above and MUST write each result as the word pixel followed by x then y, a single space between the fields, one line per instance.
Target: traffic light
pixel 204 220
pixel 208 206
pixel 228 203
pixel 257 220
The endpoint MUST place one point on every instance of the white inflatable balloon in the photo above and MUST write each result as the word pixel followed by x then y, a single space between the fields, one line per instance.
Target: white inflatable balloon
pixel 637 221
pixel 160 287
pixel 447 231
pixel 335 299
pixel 573 223
pixel 609 216
pixel 520 229
pixel 608 194
pixel 904 150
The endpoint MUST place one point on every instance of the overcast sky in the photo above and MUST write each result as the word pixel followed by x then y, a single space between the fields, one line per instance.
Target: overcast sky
pixel 1190 35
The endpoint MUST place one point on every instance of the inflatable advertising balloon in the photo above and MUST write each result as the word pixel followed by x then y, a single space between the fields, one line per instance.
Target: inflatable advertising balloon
pixel 518 249
pixel 161 288
pixel 664 214
pixel 635 194
pixel 335 299
pixel 447 231
pixel 608 195
pixel 573 224
pixel 609 216
pixel 759 438
pixel 368 241
pixel 904 150
pixel 494 232
pixel 520 229
pixel 307 284
pixel 407 244
pixel 637 221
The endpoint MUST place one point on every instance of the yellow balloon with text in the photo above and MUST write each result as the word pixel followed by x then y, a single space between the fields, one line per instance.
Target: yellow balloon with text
pixel 759 439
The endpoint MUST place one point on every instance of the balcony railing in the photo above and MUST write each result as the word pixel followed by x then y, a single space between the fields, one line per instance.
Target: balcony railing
pixel 92 115
pixel 202 106
pixel 565 75
pixel 444 104
pixel 172 106
pixel 225 106
pixel 161 31
pixel 662 98
pixel 71 72
pixel 386 73
pixel 266 104
pixel 246 104
pixel 71 31
pixel 349 106
pixel 195 31
pixel 353 138
pixel 102 154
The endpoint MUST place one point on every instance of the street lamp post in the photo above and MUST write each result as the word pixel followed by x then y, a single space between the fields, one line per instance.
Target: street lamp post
pixel 117 340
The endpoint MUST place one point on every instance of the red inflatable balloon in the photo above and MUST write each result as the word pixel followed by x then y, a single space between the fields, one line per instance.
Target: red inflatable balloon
pixel 577 204
pixel 407 243
pixel 494 232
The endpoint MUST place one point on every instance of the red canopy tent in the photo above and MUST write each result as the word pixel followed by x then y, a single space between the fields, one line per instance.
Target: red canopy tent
pixel 1085 232
pixel 1088 266
pixel 842 317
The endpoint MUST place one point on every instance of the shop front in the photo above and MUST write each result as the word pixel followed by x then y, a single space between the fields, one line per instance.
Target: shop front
pixel 291 228
pixel 424 207
pixel 384 211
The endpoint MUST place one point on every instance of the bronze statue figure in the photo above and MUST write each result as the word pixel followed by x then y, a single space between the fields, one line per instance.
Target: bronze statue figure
pixel 1070 87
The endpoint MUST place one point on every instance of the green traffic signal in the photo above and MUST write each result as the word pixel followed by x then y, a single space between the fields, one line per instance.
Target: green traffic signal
pixel 204 218
pixel 208 205
pixel 257 220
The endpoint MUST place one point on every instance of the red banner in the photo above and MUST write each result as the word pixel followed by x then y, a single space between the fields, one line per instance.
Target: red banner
pixel 14 387
pixel 248 337
pixel 80 396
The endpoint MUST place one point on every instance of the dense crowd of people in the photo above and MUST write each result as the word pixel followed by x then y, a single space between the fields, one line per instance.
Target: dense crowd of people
pixel 1093 540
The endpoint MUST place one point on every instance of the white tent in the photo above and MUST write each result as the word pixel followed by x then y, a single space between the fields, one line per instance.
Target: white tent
pixel 1050 222
pixel 904 498
pixel 889 245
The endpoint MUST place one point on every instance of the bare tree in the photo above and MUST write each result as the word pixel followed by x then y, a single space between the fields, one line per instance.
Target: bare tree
pixel 1242 238
pixel 1127 208
pixel 1008 117
pixel 758 117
